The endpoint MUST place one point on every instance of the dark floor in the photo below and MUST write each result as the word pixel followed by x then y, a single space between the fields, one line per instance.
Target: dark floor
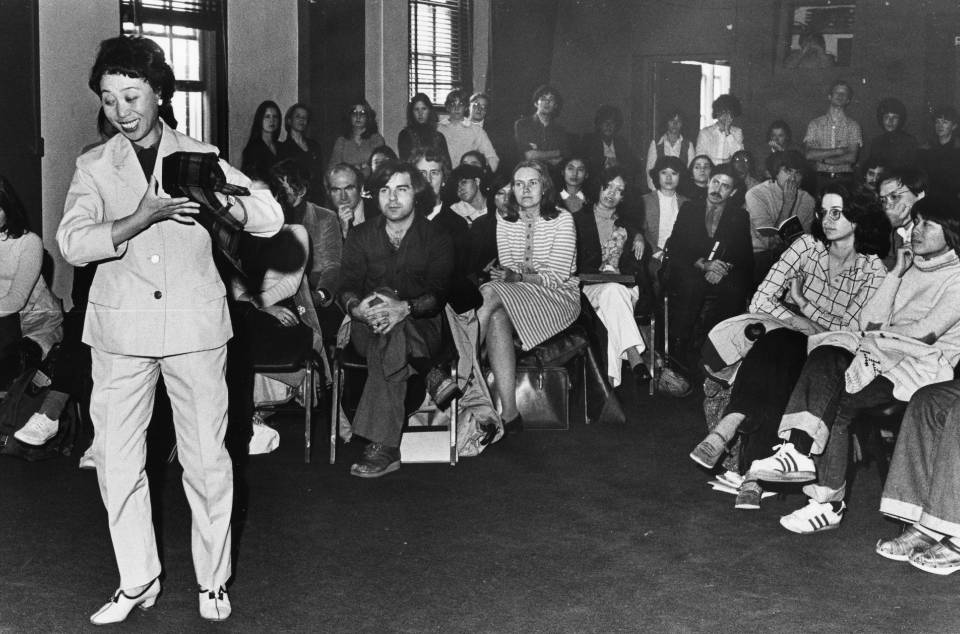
pixel 603 528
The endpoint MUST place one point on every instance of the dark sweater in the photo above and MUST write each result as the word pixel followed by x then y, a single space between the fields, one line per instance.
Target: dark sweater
pixel 420 270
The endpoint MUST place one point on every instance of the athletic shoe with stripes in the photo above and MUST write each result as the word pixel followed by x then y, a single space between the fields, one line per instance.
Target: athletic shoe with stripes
pixel 815 517
pixel 786 465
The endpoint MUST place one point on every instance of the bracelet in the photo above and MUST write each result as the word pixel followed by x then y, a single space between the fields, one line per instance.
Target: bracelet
pixel 409 308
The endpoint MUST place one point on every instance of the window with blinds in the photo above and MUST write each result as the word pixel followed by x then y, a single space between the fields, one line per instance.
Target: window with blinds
pixel 190 32
pixel 440 45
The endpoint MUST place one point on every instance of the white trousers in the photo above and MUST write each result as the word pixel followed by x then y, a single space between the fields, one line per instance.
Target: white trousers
pixel 121 407
pixel 614 305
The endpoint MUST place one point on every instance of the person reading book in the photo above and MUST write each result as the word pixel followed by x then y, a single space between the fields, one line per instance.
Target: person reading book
pixel 772 204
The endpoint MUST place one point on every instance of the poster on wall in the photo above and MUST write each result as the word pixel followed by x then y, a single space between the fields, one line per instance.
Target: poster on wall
pixel 816 34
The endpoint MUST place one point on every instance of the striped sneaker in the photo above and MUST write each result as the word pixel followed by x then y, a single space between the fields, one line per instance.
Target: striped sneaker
pixel 815 517
pixel 787 465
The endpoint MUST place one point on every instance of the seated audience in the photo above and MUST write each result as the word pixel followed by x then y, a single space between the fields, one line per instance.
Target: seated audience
pixel 539 137
pixel 483 232
pixel 660 210
pixel 694 186
pixel 911 338
pixel 833 141
pixel 899 192
pixel 263 147
pixel 780 137
pixel 605 244
pixel 710 267
pixel 344 185
pixel 358 138
pixel 574 173
pixel 460 133
pixel 821 282
pixel 421 132
pixel 873 174
pixel 671 143
pixel 894 147
pixel 606 147
pixel 463 294
pixel 471 204
pixel 380 155
pixel 940 156
pixel 921 486
pixel 30 317
pixel 773 202
pixel 397 271
pixel 746 167
pixel 290 186
pixel 302 149
pixel 722 139
pixel 533 292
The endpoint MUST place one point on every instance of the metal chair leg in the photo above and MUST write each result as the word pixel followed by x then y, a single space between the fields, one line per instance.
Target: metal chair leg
pixel 335 396
pixel 308 407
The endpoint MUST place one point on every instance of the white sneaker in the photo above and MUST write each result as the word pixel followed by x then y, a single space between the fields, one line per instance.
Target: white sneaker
pixel 38 430
pixel 215 606
pixel 787 465
pixel 815 517
pixel 86 460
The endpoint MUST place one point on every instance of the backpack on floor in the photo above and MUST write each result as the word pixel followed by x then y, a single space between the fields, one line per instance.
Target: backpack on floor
pixel 24 397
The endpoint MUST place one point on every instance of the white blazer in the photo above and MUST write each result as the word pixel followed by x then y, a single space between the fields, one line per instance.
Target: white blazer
pixel 158 293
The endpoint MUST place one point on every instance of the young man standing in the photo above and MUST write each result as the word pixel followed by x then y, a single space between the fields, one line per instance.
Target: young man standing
pixel 834 140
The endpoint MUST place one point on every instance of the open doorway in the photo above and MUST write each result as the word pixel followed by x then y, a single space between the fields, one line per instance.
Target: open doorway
pixel 690 86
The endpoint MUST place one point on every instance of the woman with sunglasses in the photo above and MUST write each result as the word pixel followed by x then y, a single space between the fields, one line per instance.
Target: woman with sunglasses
pixel 821 282
pixel 359 138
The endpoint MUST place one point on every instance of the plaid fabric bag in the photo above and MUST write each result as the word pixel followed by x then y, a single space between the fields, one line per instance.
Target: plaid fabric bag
pixel 198 177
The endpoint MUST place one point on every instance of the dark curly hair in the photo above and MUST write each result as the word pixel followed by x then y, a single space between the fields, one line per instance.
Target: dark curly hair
pixel 726 103
pixel 139 58
pixel 871 233
pixel 423 198
pixel 892 105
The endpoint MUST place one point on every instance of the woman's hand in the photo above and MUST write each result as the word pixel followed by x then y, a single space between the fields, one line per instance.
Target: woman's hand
pixel 639 246
pixel 574 204
pixel 153 208
pixel 504 274
pixel 904 259
pixel 796 292
pixel 284 315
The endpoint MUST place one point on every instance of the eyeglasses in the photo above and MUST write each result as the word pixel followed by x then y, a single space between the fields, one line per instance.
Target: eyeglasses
pixel 359 113
pixel 832 214
pixel 893 197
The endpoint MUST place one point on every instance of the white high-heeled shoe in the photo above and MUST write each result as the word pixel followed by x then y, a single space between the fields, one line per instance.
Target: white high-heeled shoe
pixel 119 607
pixel 215 605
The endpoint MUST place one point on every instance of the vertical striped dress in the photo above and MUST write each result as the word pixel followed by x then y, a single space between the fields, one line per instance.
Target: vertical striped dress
pixel 548 248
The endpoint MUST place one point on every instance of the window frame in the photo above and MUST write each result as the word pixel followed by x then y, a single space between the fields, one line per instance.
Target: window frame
pixel 210 18
pixel 460 52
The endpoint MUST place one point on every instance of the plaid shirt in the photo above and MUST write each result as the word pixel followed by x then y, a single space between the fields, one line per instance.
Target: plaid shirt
pixel 825 133
pixel 833 305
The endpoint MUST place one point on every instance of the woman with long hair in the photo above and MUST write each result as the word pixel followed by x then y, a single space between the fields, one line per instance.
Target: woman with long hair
pixel 693 184
pixel 358 138
pixel 262 149
pixel 304 150
pixel 533 293
pixel 821 282
pixel 21 256
pixel 605 244
pixel 421 131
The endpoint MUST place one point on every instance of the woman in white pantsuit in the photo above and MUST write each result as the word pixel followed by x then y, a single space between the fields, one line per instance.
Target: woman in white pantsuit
pixel 157 305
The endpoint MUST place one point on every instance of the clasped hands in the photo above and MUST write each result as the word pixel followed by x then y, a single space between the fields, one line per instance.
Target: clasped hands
pixel 506 274
pixel 715 270
pixel 381 311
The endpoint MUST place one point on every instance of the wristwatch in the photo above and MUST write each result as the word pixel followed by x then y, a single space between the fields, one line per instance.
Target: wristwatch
pixel 409 307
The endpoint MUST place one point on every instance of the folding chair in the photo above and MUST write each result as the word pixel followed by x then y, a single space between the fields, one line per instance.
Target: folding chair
pixel 418 444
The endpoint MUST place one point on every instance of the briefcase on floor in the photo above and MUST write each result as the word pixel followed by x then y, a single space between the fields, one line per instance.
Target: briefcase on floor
pixel 543 396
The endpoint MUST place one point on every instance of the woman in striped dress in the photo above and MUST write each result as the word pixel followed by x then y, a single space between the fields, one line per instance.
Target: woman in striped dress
pixel 533 291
